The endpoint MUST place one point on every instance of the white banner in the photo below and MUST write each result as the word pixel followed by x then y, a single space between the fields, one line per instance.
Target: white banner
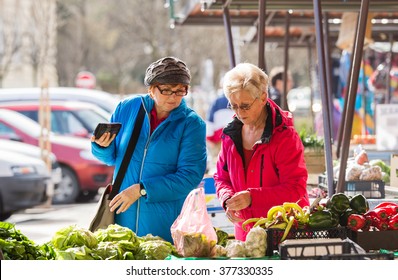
pixel 198 269
pixel 386 127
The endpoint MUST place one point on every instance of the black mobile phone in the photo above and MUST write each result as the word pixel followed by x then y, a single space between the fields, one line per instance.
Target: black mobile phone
pixel 101 128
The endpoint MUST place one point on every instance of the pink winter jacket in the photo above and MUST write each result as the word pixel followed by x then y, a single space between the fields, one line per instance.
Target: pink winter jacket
pixel 276 174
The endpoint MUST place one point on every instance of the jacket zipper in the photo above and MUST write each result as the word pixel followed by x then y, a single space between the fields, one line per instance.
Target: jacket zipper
pixel 142 168
pixel 261 171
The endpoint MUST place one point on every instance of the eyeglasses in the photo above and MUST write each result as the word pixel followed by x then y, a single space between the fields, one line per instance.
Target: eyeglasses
pixel 170 92
pixel 243 107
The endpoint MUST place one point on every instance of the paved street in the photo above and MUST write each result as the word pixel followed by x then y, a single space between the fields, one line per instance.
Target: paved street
pixel 39 224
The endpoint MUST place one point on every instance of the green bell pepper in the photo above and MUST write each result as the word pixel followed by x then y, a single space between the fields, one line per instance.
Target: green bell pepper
pixel 335 218
pixel 359 203
pixel 323 219
pixel 338 203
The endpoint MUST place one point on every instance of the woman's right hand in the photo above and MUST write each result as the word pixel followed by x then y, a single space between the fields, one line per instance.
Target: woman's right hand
pixel 123 200
pixel 105 140
pixel 233 216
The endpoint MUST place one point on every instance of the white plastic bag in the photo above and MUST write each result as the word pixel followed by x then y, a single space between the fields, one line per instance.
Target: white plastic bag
pixel 193 232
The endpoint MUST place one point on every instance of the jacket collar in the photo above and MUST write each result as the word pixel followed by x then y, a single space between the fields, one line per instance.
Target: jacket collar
pixel 277 119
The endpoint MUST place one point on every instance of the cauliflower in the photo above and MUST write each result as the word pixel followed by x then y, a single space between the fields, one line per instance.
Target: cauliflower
pixel 235 249
pixel 218 251
pixel 371 173
pixel 353 172
pixel 256 242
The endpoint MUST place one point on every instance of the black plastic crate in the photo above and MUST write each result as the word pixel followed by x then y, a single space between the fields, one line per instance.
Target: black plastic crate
pixel 274 236
pixel 374 239
pixel 366 256
pixel 305 250
pixel 370 189
pixel 332 249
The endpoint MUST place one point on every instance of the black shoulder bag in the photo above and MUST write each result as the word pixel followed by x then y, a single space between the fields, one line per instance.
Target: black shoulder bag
pixel 103 216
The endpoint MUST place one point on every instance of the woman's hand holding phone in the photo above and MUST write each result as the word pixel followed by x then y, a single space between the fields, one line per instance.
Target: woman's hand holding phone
pixel 105 140
pixel 105 133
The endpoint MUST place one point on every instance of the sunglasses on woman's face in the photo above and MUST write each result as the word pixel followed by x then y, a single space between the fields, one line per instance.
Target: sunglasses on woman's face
pixel 243 107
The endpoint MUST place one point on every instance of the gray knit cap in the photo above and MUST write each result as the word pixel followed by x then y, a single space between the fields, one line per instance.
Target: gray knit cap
pixel 167 70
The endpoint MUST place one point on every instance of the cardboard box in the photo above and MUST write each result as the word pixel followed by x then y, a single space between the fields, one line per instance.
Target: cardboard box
pixel 315 161
pixel 394 170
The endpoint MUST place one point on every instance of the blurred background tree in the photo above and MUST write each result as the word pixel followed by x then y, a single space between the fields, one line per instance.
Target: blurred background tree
pixel 116 41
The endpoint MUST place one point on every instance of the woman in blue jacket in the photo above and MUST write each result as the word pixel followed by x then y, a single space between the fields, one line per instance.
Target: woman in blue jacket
pixel 170 156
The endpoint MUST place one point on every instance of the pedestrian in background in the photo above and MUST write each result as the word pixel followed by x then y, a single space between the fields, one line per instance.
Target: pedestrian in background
pixel 170 156
pixel 277 84
pixel 218 117
pixel 261 162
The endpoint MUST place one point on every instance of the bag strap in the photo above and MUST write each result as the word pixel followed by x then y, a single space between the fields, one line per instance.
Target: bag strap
pixel 129 152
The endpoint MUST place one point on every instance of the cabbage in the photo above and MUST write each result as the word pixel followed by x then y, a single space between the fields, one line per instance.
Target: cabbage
pixel 73 236
pixel 114 250
pixel 74 253
pixel 116 232
pixel 155 250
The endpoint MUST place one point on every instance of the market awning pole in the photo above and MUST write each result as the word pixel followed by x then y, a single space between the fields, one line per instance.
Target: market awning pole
pixel 352 92
pixel 310 72
pixel 261 35
pixel 227 25
pixel 364 129
pixel 328 74
pixel 286 62
pixel 387 98
pixel 324 94
pixel 344 113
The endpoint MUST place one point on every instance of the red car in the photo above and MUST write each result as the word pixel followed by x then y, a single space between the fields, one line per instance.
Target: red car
pixel 72 118
pixel 82 174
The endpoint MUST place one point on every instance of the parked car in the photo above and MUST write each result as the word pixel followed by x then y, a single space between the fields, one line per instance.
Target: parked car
pixel 22 182
pixel 300 103
pixel 105 100
pixel 35 152
pixel 73 118
pixel 82 173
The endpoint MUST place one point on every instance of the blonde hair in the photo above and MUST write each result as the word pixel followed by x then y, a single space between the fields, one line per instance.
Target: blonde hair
pixel 245 76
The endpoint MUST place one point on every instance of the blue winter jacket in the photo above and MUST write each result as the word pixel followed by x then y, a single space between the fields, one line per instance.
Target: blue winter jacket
pixel 170 163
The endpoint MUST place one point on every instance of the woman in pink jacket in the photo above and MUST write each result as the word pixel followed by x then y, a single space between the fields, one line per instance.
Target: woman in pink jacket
pixel 261 162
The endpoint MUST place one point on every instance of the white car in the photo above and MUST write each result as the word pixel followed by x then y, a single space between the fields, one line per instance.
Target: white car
pixel 23 182
pixel 35 152
pixel 82 173
pixel 102 99
pixel 299 101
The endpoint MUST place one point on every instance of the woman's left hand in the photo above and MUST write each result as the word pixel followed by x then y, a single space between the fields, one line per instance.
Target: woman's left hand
pixel 123 200
pixel 239 201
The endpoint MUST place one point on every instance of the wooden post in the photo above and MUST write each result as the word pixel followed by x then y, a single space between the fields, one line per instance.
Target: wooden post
pixel 44 140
